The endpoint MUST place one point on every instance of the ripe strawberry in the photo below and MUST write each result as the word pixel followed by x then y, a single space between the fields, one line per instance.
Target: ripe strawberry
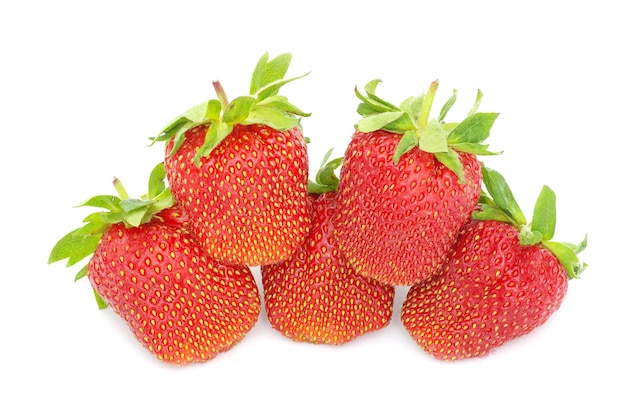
pixel 240 170
pixel 407 186
pixel 179 303
pixel 503 278
pixel 315 296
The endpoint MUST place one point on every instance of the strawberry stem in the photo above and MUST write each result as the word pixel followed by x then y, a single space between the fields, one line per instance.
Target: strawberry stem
pixel 121 191
pixel 221 93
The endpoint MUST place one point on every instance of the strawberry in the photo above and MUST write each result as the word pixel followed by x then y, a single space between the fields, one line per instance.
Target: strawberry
pixel 240 170
pixel 180 304
pixel 407 186
pixel 315 296
pixel 503 279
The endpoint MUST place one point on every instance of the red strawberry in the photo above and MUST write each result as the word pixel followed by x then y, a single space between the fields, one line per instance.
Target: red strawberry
pixel 315 296
pixel 503 279
pixel 179 303
pixel 240 170
pixel 408 184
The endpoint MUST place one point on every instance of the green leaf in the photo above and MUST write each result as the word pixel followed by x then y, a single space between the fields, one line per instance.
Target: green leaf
pixel 479 98
pixel 222 130
pixel 364 109
pixel 378 121
pixel 402 124
pixel 491 213
pixel 326 180
pixel 370 89
pixel 171 129
pixel 433 138
pixel 474 129
pixel 237 110
pixel 267 72
pixel 577 248
pixel 112 217
pixel 567 257
pixel 371 100
pixel 485 199
pixel 156 181
pixel 137 216
pixel 108 202
pixel 94 225
pixel 502 196
pixel 179 136
pixel 281 103
pixel 447 106
pixel 133 204
pixel 544 215
pixel 162 201
pixel 424 113
pixel 412 106
pixel 93 222
pixel 273 88
pixel 476 149
pixel 271 117
pixel 449 126
pixel 451 161
pixel 62 248
pixel 528 237
pixel 213 110
pixel 81 273
pixel 407 142
pixel 74 247
pixel 99 300
pixel 215 133
pixel 327 175
pixel 197 113
pixel 257 75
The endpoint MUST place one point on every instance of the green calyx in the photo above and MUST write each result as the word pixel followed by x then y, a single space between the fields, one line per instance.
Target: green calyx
pixel 82 242
pixel 262 106
pixel 326 179
pixel 498 203
pixel 432 135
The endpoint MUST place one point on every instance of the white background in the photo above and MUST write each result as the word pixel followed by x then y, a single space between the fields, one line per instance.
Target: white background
pixel 83 85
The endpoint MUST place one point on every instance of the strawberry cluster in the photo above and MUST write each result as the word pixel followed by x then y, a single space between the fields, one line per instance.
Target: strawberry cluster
pixel 412 206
